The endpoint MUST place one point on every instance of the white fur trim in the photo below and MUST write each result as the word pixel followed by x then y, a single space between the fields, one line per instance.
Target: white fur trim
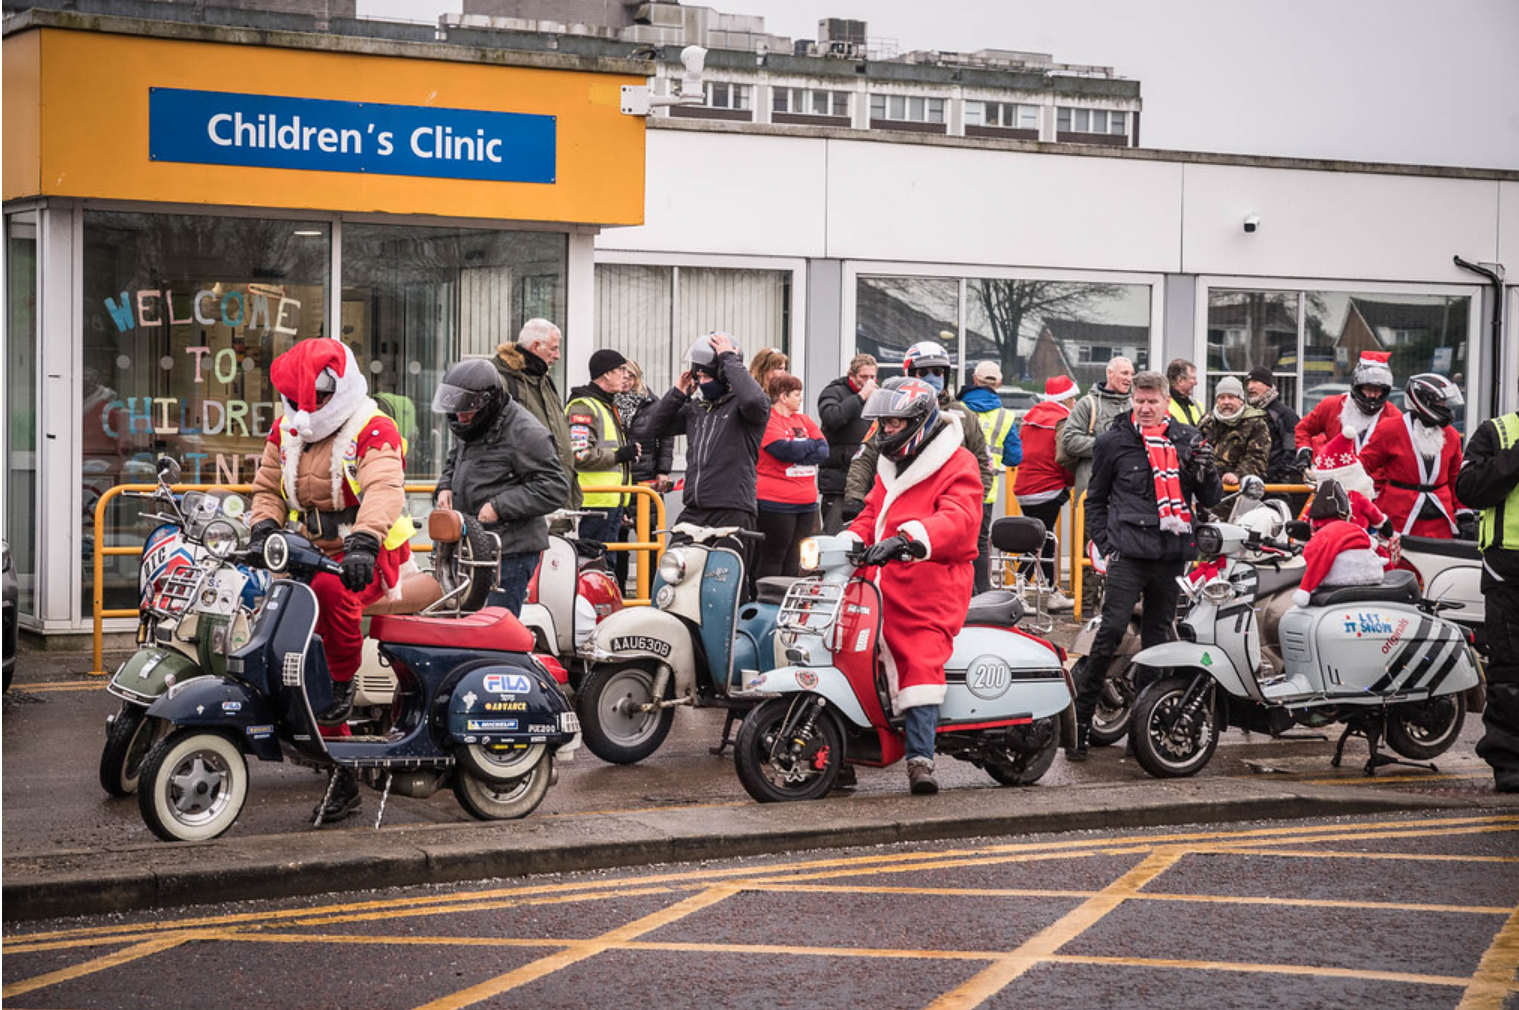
pixel 1427 441
pixel 1301 597
pixel 292 444
pixel 919 695
pixel 1360 567
pixel 919 534
pixel 1352 478
pixel 935 454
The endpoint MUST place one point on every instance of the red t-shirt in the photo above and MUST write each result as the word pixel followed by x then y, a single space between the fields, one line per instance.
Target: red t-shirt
pixel 777 480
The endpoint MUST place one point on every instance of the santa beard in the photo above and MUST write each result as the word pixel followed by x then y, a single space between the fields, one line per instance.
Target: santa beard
pixel 1428 442
pixel 1351 416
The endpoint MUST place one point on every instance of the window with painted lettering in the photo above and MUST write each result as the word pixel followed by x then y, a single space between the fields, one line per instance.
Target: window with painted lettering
pixel 181 316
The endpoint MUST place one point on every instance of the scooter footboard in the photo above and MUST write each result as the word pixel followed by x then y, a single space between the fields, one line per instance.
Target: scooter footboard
pixel 826 681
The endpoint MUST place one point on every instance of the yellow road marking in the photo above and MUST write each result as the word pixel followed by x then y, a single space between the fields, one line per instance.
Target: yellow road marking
pixel 995 977
pixel 1494 978
pixel 1395 780
pixel 123 956
pixel 1253 967
pixel 483 906
pixel 581 950
pixel 1414 857
pixel 51 687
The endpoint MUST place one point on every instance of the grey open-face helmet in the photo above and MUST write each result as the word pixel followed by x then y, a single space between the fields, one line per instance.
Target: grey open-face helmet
pixel 702 358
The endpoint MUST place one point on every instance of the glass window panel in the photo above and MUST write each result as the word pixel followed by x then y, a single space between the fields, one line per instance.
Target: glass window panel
pixel 1083 121
pixel 1063 120
pixel 1028 117
pixel 780 100
pixel 877 106
pixel 840 103
pixel 1258 329
pixel 1099 122
pixel 820 103
pixel 1119 122
pixel 1038 329
pixel 182 315
pixel 915 109
pixel 898 107
pixel 893 313
pixel 976 113
pixel 21 404
pixel 741 96
pixel 633 313
pixel 936 110
pixel 754 306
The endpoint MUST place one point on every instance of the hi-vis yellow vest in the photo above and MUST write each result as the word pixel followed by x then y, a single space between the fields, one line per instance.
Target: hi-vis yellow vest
pixel 995 424
pixel 606 434
pixel 403 529
pixel 1490 533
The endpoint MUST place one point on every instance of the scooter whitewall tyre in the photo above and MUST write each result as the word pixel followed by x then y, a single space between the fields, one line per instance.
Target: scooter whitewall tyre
pixel 193 787
pixel 775 765
pixel 614 728
pixel 499 766
pixel 1115 708
pixel 127 742
pixel 1170 742
pixel 1423 730
pixel 1023 768
pixel 504 801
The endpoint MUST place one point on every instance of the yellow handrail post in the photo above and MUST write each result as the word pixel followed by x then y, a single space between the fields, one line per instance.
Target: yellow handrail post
pixel 1078 553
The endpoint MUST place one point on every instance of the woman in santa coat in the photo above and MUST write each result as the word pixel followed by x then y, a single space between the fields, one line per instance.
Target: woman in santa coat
pixel 926 505
pixel 1415 462
pixel 1363 409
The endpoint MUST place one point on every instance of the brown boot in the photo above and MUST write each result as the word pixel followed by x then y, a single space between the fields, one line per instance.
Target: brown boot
pixel 920 777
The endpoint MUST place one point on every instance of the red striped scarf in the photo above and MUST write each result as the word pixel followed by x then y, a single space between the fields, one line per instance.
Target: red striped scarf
pixel 1175 517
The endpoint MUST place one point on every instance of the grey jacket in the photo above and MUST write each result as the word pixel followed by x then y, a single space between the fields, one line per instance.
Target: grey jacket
pixel 512 465
pixel 1079 433
pixel 862 472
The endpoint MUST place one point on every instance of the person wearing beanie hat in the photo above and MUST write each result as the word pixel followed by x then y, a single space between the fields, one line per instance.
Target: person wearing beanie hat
pixel 1362 409
pixel 1239 433
pixel 603 453
pixel 1281 421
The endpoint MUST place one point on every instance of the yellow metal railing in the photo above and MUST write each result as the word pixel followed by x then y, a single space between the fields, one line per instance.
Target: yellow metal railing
pixel 642 529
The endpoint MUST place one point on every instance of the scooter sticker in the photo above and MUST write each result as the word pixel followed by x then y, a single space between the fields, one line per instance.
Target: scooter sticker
pixel 1366 624
pixel 642 643
pixel 469 700
pixel 1207 659
pixel 507 683
pixel 988 677
pixel 479 725
pixel 232 706
pixel 807 679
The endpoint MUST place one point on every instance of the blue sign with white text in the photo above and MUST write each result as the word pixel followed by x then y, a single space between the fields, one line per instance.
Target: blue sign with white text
pixel 267 131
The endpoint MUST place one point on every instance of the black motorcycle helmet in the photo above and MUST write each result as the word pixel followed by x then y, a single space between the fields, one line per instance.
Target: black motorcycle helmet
pixel 1330 501
pixel 1371 382
pixel 471 385
pixel 910 399
pixel 1431 399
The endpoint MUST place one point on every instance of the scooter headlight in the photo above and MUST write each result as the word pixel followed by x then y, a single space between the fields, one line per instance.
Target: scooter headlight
pixel 811 554
pixel 276 552
pixel 1210 540
pixel 220 538
pixel 672 567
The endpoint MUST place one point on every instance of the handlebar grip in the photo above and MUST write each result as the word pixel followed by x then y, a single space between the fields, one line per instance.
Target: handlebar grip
pixel 749 534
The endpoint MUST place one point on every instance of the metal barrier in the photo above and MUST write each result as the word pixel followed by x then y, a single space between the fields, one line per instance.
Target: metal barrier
pixel 642 530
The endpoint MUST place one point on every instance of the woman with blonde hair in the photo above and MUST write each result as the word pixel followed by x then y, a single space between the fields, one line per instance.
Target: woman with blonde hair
pixel 766 363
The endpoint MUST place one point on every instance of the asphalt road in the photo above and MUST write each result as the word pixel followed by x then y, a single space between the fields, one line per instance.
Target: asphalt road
pixel 1408 911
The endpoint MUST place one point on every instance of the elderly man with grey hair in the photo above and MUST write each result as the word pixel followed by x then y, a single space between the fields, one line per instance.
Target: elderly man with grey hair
pixel 524 368
pixel 1092 415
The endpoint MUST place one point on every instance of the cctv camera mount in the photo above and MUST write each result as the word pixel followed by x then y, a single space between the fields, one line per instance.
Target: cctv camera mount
pixel 639 100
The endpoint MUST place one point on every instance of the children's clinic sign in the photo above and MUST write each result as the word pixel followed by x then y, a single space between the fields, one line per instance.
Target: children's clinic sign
pixel 269 131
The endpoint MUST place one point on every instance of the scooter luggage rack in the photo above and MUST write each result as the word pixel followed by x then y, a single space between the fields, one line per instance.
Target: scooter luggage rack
pixel 176 591
pixel 810 606
pixel 448 605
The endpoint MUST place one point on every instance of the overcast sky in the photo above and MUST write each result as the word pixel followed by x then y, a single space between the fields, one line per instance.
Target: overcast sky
pixel 1432 82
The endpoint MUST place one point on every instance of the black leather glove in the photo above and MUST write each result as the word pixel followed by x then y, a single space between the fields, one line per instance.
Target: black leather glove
pixel 1202 461
pixel 893 548
pixel 256 537
pixel 1467 525
pixel 1386 529
pixel 627 453
pixel 1304 458
pixel 852 508
pixel 359 553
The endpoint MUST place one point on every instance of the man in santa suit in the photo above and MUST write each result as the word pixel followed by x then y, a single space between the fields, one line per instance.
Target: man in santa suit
pixel 334 470
pixel 1415 463
pixel 1362 409
pixel 925 506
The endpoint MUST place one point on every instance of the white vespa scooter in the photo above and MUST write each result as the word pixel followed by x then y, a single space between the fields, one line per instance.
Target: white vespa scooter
pixel 1378 658
pixel 1006 709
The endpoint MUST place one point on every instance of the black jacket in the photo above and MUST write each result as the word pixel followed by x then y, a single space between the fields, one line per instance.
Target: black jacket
pixel 722 437
pixel 658 453
pixel 512 465
pixel 1488 475
pixel 839 410
pixel 1282 422
pixel 1121 514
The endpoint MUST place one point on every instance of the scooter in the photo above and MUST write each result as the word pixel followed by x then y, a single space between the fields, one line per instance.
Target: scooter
pixel 1007 706
pixel 1449 570
pixel 1380 659
pixel 696 646
pixel 195 608
pixel 570 593
pixel 472 706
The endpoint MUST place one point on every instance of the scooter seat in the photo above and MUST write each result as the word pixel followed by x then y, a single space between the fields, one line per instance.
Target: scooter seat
pixel 493 629
pixel 772 588
pixel 1000 607
pixel 1397 586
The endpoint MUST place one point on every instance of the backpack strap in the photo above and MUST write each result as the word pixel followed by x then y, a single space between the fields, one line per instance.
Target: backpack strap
pixel 511 387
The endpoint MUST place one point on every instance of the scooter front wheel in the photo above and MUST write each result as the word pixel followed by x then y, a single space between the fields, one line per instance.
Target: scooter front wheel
pixel 193 787
pixel 503 801
pixel 1173 737
pixel 615 725
pixel 786 753
pixel 127 742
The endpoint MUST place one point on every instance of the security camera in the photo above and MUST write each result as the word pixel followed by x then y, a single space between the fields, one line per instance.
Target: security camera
pixel 694 58
pixel 1252 224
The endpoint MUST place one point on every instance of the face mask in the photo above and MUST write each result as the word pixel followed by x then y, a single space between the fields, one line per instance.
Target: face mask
pixel 934 380
pixel 712 389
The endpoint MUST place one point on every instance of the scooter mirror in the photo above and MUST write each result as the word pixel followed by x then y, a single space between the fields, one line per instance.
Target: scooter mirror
pixel 1252 487
pixel 168 469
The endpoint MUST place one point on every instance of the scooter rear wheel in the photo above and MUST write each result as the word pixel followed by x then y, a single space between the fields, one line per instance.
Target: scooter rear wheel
pixel 193 787
pixel 613 727
pixel 771 769
pixel 504 801
pixel 127 742
pixel 1023 768
pixel 1423 730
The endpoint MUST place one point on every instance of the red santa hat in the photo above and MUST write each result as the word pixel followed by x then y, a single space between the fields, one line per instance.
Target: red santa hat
pixel 1327 545
pixel 313 364
pixel 1373 369
pixel 1338 459
pixel 1059 388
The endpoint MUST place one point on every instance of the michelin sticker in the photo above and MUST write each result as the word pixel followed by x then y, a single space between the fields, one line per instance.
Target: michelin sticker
pixel 490 725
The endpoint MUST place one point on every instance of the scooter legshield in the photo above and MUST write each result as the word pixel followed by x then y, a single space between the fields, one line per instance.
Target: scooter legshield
pixel 498 701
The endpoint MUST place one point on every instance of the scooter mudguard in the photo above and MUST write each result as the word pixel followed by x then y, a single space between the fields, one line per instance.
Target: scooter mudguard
pixel 638 633
pixel 1210 659
pixel 142 678
pixel 499 702
pixel 535 617
pixel 827 681
pixel 223 703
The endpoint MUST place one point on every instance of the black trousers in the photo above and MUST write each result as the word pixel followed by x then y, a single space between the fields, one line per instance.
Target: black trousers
pixel 833 512
pixel 1499 745
pixel 724 517
pixel 1129 580
pixel 983 564
pixel 1049 514
pixel 780 551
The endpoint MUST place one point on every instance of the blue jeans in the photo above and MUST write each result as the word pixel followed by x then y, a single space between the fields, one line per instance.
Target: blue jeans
pixel 602 524
pixel 922 722
pixel 516 572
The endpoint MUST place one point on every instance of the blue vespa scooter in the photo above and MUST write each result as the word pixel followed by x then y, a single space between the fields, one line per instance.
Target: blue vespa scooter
pixel 472 705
